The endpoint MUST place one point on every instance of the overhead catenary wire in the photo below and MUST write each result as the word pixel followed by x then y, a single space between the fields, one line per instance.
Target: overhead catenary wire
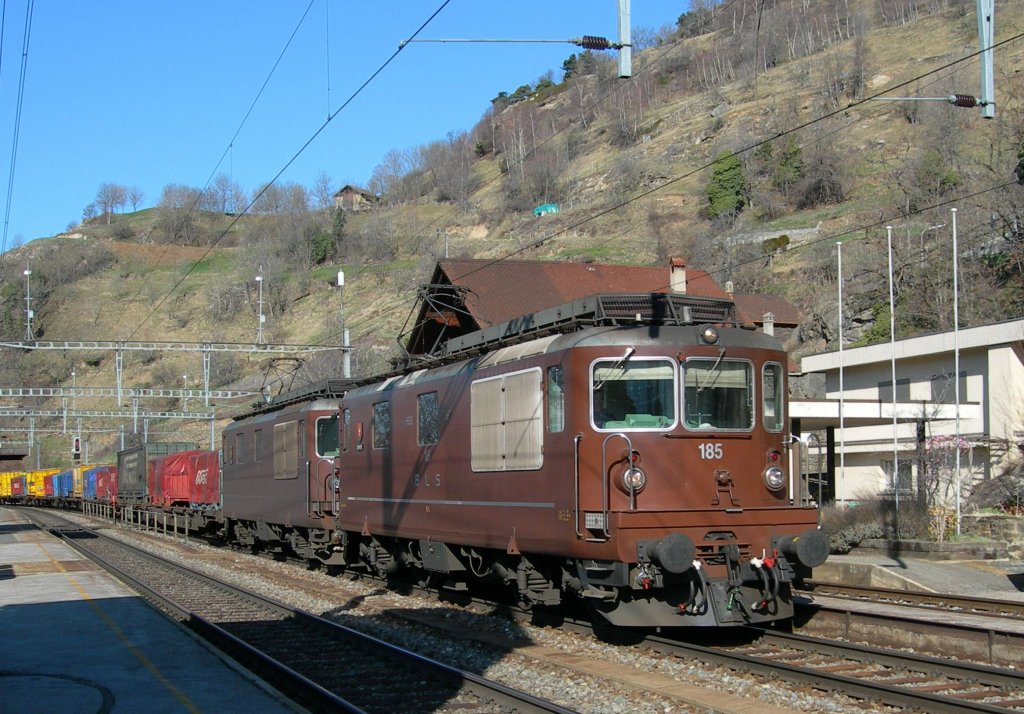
pixel 596 215
pixel 301 150
pixel 841 236
pixel 554 236
pixel 229 149
pixel 749 147
pixel 17 122
pixel 285 167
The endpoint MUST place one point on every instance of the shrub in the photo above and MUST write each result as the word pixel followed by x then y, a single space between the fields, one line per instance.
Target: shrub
pixel 874 518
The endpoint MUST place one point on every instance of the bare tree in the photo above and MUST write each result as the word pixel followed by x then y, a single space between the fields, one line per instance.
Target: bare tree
pixel 394 177
pixel 451 163
pixel 177 220
pixel 135 197
pixel 296 198
pixel 269 198
pixel 226 195
pixel 323 191
pixel 110 196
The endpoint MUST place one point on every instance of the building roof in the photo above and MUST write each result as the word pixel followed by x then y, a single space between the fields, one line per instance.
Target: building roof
pixel 349 188
pixel 999 333
pixel 506 289
pixel 815 414
pixel 468 295
pixel 752 308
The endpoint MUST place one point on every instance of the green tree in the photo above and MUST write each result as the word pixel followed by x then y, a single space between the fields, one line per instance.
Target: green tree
pixel 321 248
pixel 696 22
pixel 338 230
pixel 521 94
pixel 569 67
pixel 726 191
pixel 789 167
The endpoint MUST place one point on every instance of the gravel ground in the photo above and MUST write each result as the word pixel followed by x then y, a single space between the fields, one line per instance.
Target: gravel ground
pixel 366 606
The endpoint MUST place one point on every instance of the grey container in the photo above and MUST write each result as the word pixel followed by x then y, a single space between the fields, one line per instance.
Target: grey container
pixel 133 468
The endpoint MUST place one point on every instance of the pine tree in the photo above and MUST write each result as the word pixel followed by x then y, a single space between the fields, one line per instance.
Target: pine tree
pixel 726 190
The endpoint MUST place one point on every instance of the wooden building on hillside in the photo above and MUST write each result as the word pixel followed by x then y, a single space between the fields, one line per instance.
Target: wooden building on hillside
pixel 352 198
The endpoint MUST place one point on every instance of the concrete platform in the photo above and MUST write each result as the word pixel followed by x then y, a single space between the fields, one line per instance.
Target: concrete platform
pixel 998 579
pixel 75 640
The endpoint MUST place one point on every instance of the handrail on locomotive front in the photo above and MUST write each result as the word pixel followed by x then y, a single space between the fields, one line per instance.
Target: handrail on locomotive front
pixel 576 482
pixel 606 480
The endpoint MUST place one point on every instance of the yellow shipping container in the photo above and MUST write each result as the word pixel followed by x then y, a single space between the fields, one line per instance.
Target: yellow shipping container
pixel 5 484
pixel 35 485
pixel 78 480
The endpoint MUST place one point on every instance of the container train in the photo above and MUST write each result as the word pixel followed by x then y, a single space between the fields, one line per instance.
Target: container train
pixel 637 465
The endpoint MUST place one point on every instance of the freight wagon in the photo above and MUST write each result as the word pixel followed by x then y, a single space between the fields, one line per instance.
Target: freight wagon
pixel 185 478
pixel 133 469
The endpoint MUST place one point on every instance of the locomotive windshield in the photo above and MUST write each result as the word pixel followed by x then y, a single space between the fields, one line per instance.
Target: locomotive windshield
pixel 718 394
pixel 638 394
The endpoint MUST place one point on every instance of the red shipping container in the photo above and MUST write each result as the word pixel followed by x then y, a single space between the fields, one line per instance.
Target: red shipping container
pixel 106 484
pixel 48 485
pixel 18 486
pixel 185 478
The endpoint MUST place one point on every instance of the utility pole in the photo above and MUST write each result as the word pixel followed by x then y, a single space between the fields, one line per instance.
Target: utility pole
pixel 625 42
pixel 986 38
pixel 986 98
pixel 346 362
pixel 260 338
pixel 29 337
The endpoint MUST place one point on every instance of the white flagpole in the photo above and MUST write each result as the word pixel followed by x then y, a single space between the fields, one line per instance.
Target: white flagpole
pixel 956 363
pixel 892 343
pixel 842 443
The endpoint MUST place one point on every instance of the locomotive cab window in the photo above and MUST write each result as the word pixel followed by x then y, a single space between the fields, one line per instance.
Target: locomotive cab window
pixel 382 425
pixel 327 436
pixel 718 394
pixel 771 396
pixel 633 394
pixel 556 399
pixel 346 422
pixel 428 419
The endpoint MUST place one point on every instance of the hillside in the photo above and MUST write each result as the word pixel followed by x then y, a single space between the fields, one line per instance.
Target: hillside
pixel 745 143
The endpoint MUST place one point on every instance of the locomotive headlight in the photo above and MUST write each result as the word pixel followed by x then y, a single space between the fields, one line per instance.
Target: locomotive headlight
pixel 774 478
pixel 709 334
pixel 633 480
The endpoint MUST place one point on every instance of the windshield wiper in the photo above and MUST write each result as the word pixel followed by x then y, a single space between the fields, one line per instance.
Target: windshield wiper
pixel 721 354
pixel 621 362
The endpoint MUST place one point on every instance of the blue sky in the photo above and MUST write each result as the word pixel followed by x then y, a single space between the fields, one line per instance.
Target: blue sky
pixel 146 94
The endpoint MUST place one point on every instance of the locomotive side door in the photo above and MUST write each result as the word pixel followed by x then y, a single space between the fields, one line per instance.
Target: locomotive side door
pixel 322 480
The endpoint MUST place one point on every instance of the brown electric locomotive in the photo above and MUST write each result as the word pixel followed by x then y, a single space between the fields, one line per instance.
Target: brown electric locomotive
pixel 634 459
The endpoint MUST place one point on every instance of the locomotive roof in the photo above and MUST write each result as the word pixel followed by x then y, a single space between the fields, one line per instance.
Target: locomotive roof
pixel 682 334
pixel 623 318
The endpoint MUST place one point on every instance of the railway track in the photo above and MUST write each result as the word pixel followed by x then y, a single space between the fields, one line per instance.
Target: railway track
pixel 959 603
pixel 871 674
pixel 885 676
pixel 321 665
